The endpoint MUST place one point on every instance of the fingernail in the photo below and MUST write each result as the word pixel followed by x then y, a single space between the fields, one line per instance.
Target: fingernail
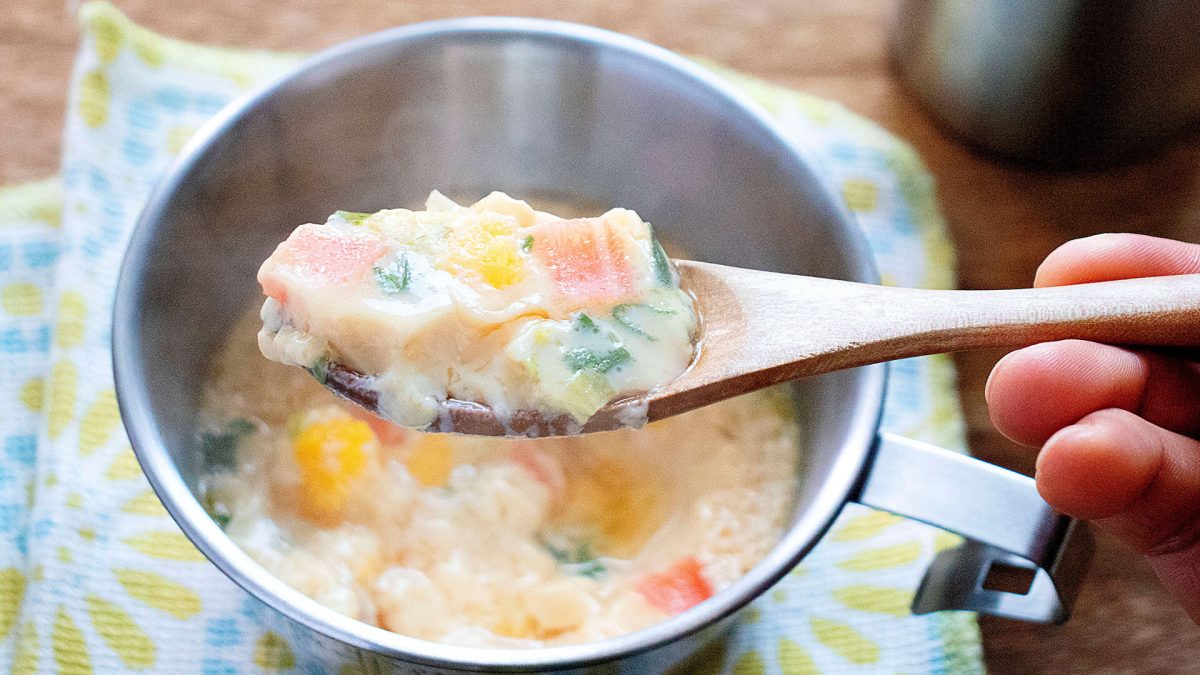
pixel 987 386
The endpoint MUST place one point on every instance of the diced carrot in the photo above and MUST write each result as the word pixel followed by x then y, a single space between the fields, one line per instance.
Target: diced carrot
pixel 544 468
pixel 321 255
pixel 676 588
pixel 387 432
pixel 586 258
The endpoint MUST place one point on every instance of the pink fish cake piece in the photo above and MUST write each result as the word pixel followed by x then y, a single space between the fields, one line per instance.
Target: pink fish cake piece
pixel 587 258
pixel 319 255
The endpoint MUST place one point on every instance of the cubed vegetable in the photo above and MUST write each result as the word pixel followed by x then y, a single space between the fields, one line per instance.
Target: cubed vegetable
pixel 387 432
pixel 320 255
pixel 544 468
pixel 431 460
pixel 621 505
pixel 679 587
pixel 487 246
pixel 584 394
pixel 587 259
pixel 332 454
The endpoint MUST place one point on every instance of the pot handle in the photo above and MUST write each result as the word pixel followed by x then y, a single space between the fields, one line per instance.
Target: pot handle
pixel 1005 521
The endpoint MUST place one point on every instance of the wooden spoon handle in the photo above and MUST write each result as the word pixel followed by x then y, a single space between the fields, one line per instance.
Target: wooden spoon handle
pixel 1158 311
pixel 762 328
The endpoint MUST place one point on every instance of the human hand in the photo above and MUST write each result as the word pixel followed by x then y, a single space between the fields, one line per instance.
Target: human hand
pixel 1119 428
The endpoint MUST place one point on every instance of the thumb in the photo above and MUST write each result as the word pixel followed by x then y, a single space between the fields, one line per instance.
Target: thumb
pixel 1138 481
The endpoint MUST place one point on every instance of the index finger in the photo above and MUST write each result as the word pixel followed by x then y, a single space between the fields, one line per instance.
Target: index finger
pixel 1105 257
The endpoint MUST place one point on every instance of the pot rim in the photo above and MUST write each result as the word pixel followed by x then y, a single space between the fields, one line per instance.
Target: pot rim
pixel 206 535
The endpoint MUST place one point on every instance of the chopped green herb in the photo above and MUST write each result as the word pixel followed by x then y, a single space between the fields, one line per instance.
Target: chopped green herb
pixel 217 510
pixel 600 362
pixel 621 315
pixel 320 369
pixel 590 569
pixel 584 322
pixel 662 264
pixel 578 558
pixel 353 217
pixel 220 448
pixel 242 427
pixel 395 278
pixel 527 243
pixel 561 556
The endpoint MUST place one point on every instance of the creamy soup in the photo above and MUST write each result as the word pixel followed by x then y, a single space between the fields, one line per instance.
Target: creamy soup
pixel 488 541
pixel 493 303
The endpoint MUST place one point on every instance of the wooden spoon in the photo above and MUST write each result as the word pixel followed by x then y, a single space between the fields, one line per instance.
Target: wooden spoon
pixel 763 328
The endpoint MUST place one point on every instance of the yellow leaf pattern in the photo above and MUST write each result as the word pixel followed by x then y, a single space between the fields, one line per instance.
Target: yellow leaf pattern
pixel 177 137
pixel 749 663
pixel 944 540
pixel 272 652
pixel 845 640
pixel 878 599
pixel 94 98
pixel 865 526
pixel 882 557
pixel 793 660
pixel 145 503
pixel 25 652
pixel 124 467
pixel 159 592
pixel 32 393
pixel 12 593
pixel 149 49
pixel 166 545
pixel 64 383
pixel 99 422
pixel 860 195
pixel 69 646
pixel 106 35
pixel 122 634
pixel 72 314
pixel 21 299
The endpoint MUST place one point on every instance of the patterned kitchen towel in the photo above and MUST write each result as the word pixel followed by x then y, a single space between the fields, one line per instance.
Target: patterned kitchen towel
pixel 95 577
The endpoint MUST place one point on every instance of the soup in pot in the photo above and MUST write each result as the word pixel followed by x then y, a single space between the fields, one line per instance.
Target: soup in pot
pixel 481 541
pixel 490 541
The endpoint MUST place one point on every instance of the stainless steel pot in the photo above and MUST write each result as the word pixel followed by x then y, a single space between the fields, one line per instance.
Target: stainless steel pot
pixel 535 108
pixel 1060 83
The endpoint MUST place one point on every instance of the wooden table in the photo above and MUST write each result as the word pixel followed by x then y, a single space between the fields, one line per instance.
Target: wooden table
pixel 1003 219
